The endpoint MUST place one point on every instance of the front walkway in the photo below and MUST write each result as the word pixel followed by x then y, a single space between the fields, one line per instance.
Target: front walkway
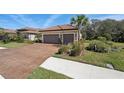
pixel 80 70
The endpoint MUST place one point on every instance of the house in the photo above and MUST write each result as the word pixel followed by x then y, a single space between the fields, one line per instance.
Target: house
pixel 29 33
pixel 60 34
pixel 9 32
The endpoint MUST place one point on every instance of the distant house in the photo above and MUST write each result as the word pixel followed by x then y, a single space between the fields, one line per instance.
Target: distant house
pixel 60 34
pixel 10 32
pixel 29 33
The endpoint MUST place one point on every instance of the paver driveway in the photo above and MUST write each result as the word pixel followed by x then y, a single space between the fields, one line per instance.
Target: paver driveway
pixel 19 62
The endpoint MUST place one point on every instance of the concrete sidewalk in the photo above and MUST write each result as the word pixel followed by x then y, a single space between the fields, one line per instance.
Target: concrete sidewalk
pixel 3 48
pixel 1 77
pixel 80 70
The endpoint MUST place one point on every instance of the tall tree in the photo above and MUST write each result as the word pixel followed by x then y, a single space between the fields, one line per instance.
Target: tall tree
pixel 80 22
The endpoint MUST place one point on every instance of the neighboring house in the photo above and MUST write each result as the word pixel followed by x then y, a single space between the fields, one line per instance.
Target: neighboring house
pixel 60 34
pixel 10 32
pixel 29 33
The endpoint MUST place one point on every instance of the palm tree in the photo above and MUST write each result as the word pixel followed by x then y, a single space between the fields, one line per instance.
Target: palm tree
pixel 80 22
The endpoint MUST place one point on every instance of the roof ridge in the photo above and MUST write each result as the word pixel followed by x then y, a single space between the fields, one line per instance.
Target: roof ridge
pixel 60 27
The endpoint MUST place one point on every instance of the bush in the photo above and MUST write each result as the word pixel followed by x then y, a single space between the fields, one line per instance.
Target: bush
pixel 98 46
pixel 12 37
pixel 102 39
pixel 6 38
pixel 108 36
pixel 20 39
pixel 77 48
pixel 72 49
pixel 5 41
pixel 64 49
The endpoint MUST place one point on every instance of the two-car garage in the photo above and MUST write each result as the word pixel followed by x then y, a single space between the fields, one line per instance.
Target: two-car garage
pixel 56 39
pixel 60 34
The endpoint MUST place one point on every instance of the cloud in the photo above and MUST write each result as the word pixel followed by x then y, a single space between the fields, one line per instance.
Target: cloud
pixel 23 20
pixel 51 19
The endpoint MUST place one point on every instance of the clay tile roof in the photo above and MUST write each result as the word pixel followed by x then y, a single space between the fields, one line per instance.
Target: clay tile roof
pixel 28 30
pixel 9 30
pixel 59 27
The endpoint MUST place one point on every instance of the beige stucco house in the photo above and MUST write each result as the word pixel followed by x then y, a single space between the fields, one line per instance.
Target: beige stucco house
pixel 60 34
pixel 29 33
pixel 10 32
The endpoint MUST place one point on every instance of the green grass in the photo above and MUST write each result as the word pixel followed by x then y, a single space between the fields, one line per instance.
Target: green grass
pixel 12 45
pixel 100 59
pixel 41 73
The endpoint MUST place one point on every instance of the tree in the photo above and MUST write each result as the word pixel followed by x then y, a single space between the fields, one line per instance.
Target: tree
pixel 80 22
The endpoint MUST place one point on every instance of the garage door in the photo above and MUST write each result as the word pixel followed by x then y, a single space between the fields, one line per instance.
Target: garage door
pixel 52 39
pixel 68 38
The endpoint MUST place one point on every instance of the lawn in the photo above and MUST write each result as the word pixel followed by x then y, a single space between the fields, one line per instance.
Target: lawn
pixel 41 73
pixel 100 59
pixel 12 45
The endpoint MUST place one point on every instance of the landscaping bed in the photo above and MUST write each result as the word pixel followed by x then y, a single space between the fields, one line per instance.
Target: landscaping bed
pixel 115 58
pixel 42 73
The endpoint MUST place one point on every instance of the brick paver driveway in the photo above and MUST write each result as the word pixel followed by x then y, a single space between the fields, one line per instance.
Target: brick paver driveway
pixel 19 62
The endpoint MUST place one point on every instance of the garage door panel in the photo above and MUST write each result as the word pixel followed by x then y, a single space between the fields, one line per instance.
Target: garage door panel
pixel 54 39
pixel 68 38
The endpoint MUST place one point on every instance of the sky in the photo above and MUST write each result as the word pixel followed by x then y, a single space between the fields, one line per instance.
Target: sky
pixel 15 21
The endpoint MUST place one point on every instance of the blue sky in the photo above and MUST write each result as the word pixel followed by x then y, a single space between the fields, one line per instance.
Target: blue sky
pixel 14 21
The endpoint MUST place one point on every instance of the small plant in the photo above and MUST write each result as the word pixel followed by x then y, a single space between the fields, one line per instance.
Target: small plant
pixel 64 49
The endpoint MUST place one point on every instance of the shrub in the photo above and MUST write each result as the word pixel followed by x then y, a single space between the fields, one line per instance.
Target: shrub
pixel 73 49
pixel 98 46
pixel 102 39
pixel 12 37
pixel 64 49
pixel 20 39
pixel 5 41
pixel 108 36
pixel 6 38
pixel 77 48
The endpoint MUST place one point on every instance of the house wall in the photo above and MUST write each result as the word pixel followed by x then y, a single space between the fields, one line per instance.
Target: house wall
pixel 31 37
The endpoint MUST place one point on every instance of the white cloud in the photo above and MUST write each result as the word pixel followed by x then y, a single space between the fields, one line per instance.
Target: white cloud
pixel 23 20
pixel 51 19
